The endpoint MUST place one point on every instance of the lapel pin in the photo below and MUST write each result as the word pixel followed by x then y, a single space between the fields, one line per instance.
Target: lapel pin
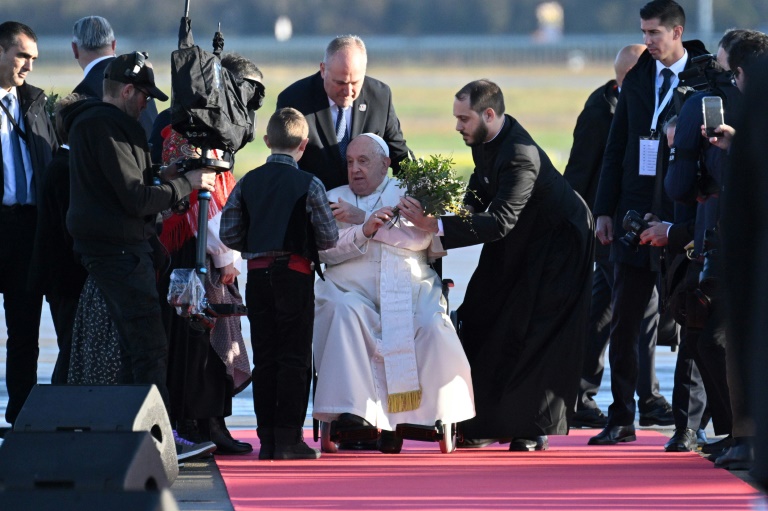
pixel 362 107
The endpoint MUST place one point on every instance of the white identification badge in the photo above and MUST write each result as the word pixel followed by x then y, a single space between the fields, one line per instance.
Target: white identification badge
pixel 649 150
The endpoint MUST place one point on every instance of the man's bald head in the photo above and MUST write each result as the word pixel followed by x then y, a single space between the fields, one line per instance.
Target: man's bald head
pixel 626 60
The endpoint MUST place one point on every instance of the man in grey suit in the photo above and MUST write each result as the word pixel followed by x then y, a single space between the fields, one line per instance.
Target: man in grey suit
pixel 93 44
pixel 342 86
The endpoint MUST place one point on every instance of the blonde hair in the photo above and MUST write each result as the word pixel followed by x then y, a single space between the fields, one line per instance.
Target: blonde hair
pixel 286 129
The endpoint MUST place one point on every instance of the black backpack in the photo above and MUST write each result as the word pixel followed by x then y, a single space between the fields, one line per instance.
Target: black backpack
pixel 209 107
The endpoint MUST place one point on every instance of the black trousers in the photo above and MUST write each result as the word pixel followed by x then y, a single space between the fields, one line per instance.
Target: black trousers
pixel 281 306
pixel 598 337
pixel 708 348
pixel 22 308
pixel 689 396
pixel 63 310
pixel 127 282
pixel 633 289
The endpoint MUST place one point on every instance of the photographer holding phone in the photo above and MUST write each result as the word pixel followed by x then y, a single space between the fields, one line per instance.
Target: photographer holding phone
pixel 694 178
pixel 737 272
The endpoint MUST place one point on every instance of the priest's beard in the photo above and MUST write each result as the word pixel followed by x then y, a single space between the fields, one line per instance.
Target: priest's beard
pixel 478 136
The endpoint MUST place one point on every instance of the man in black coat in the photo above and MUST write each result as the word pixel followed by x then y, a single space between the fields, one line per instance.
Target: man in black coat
pixel 628 181
pixel 94 48
pixel 341 84
pixel 583 172
pixel 745 236
pixel 29 142
pixel 524 316
pixel 57 274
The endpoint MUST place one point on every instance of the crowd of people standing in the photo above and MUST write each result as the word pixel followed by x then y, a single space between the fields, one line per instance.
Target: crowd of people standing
pixel 339 258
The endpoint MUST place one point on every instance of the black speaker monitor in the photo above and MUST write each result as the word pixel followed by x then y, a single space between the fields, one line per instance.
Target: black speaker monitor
pixel 92 408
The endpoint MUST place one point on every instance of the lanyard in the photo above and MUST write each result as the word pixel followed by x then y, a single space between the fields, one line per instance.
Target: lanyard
pixel 659 108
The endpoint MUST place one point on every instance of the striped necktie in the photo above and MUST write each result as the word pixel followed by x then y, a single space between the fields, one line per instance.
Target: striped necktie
pixel 341 134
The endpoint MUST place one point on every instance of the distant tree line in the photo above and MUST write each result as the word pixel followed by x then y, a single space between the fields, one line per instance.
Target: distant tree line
pixel 149 18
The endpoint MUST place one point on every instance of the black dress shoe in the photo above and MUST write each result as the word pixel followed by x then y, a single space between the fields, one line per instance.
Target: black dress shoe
pixel 738 457
pixel 352 432
pixel 589 418
pixel 389 442
pixel 718 445
pixel 221 436
pixel 658 415
pixel 475 443
pixel 684 440
pixel 539 443
pixel 612 435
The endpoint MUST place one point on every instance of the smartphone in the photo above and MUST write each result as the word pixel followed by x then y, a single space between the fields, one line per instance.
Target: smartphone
pixel 712 107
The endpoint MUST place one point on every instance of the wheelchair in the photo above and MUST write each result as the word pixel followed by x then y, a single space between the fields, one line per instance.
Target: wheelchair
pixel 445 434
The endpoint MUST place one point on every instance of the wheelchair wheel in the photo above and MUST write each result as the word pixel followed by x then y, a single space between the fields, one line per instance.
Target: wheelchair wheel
pixel 448 443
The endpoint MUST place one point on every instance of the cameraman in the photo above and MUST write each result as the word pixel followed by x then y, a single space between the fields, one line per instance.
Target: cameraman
pixel 113 209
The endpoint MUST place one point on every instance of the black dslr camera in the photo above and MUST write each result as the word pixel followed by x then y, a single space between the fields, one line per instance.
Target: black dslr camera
pixel 702 73
pixel 634 224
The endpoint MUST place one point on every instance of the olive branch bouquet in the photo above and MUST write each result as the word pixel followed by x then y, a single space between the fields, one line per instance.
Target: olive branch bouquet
pixel 50 103
pixel 433 182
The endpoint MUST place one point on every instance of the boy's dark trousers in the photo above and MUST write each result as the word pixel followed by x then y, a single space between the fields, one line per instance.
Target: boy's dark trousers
pixel 281 305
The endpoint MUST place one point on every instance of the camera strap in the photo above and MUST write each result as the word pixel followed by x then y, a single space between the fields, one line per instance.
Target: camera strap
pixel 16 126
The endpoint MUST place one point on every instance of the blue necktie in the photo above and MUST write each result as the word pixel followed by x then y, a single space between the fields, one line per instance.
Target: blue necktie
pixel 667 75
pixel 18 160
pixel 341 134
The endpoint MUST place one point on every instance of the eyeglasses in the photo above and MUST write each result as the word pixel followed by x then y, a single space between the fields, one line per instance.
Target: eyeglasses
pixel 147 95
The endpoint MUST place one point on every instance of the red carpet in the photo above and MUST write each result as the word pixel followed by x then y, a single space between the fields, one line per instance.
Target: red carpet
pixel 570 475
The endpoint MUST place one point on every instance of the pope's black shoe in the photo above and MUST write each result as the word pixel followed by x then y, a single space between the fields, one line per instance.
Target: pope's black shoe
pixel 684 440
pixel 613 435
pixel 389 442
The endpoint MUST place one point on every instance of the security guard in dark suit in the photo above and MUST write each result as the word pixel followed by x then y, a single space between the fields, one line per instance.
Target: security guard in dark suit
pixel 627 182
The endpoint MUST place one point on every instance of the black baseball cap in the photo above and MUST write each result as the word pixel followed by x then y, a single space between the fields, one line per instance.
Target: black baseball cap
pixel 132 68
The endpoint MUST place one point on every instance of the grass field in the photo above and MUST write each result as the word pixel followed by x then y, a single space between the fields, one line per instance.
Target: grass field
pixel 546 101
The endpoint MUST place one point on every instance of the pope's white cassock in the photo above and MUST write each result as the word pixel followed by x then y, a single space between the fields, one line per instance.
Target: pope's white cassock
pixel 384 346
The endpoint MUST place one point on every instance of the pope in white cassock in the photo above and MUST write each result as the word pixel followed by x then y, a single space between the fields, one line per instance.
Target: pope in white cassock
pixel 385 348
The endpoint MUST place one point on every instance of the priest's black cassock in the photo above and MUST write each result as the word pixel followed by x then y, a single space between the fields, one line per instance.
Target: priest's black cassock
pixel 525 313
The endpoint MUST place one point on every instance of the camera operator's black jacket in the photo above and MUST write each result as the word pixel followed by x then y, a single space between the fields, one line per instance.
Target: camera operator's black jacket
pixel 696 167
pixel 113 203
pixel 621 188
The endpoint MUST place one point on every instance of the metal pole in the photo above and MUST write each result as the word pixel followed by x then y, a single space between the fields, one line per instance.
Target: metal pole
pixel 706 21
pixel 203 198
